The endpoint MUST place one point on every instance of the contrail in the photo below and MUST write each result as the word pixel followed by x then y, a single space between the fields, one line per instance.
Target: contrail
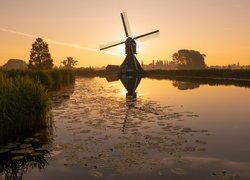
pixel 59 43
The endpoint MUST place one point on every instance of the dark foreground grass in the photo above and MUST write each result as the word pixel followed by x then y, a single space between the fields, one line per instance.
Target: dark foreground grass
pixel 24 99
pixel 24 105
pixel 51 79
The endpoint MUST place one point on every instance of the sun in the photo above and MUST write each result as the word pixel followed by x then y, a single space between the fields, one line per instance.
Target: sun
pixel 121 48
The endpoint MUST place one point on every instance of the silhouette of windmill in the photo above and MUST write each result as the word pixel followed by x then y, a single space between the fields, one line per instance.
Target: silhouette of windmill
pixel 130 65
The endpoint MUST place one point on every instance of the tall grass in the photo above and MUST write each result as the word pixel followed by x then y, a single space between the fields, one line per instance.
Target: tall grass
pixel 51 80
pixel 24 99
pixel 24 105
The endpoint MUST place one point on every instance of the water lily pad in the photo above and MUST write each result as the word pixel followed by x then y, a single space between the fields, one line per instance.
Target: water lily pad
pixel 85 131
pixel 10 145
pixel 184 161
pixel 28 139
pixel 41 149
pixel 178 171
pixel 16 158
pixel 200 142
pixel 37 134
pixel 31 162
pixel 36 154
pixel 4 150
pixel 226 175
pixel 95 173
pixel 25 146
pixel 22 151
pixel 201 149
pixel 36 140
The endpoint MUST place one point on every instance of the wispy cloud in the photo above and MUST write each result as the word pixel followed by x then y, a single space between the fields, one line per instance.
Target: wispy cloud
pixel 59 42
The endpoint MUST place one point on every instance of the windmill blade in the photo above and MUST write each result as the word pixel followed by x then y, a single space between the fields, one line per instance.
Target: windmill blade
pixel 126 24
pixel 106 46
pixel 147 34
pixel 151 36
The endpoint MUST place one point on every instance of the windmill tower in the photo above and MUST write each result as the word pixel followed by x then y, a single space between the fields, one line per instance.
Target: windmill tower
pixel 130 65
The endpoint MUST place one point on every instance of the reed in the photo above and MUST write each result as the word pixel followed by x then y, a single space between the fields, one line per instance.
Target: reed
pixel 24 99
pixel 24 105
pixel 50 79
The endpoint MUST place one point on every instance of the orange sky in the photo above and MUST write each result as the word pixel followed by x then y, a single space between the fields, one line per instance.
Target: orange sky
pixel 218 28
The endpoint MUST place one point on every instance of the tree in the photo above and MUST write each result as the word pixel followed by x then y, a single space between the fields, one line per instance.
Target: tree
pixel 181 85
pixel 69 63
pixel 40 57
pixel 189 59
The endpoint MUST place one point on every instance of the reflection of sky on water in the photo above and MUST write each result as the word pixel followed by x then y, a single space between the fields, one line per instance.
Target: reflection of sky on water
pixel 198 130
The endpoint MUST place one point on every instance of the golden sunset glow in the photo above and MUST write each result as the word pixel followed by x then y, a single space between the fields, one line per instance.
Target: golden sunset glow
pixel 219 29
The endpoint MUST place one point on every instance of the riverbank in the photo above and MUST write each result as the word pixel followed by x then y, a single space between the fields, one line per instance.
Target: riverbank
pixel 50 79
pixel 212 74
pixel 222 74
pixel 25 99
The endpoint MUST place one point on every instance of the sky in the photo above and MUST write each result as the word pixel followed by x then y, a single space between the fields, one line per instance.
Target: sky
pixel 76 28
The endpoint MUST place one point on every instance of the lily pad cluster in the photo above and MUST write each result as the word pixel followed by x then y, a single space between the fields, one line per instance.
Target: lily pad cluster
pixel 25 153
pixel 226 175
pixel 108 135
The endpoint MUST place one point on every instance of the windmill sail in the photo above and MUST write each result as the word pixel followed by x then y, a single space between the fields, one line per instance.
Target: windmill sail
pixel 106 46
pixel 147 34
pixel 126 25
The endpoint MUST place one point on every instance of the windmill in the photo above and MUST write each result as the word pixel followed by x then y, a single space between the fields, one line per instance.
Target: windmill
pixel 130 65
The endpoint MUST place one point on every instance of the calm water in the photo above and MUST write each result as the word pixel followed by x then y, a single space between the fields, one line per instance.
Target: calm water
pixel 168 130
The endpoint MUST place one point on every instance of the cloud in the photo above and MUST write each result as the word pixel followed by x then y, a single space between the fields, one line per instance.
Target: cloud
pixel 59 42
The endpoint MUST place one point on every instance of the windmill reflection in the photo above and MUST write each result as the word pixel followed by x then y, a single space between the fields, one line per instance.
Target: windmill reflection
pixel 130 83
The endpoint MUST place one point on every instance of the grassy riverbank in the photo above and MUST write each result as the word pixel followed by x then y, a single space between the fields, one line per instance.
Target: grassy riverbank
pixel 51 79
pixel 24 98
pixel 90 72
pixel 203 73
pixel 24 105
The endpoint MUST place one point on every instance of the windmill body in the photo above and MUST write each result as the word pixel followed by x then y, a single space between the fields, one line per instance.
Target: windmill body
pixel 130 65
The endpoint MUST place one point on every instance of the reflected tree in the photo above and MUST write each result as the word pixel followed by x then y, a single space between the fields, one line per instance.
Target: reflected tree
pixel 182 85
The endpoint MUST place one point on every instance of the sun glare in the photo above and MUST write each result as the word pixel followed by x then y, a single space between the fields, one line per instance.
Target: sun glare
pixel 121 48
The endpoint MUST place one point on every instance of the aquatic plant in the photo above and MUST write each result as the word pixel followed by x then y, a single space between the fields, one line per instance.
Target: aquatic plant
pixel 25 153
pixel 24 105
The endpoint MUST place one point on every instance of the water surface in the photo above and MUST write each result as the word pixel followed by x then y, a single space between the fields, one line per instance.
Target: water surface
pixel 169 129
